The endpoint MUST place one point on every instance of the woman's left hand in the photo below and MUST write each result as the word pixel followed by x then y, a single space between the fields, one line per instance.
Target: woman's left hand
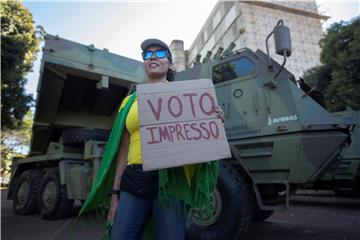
pixel 219 113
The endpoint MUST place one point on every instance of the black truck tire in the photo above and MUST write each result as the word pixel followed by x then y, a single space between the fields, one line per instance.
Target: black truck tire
pixel 26 191
pixel 53 202
pixel 77 137
pixel 236 204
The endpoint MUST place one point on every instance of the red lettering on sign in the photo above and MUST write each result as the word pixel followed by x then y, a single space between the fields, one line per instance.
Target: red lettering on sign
pixel 164 134
pixel 190 95
pixel 215 132
pixel 187 131
pixel 203 127
pixel 156 113
pixel 212 105
pixel 172 130
pixel 202 130
pixel 153 141
pixel 170 108
pixel 178 131
pixel 193 127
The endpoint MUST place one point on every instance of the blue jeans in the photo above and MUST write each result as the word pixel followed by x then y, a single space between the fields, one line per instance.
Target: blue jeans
pixel 133 214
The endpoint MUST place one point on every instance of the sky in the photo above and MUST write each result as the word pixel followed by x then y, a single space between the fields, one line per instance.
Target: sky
pixel 121 26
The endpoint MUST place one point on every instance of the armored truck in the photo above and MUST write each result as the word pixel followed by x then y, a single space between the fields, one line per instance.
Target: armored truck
pixel 280 138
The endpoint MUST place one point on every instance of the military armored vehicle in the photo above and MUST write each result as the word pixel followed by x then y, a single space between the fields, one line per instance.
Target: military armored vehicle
pixel 280 138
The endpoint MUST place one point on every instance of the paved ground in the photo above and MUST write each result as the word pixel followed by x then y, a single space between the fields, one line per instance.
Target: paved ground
pixel 310 218
pixel 321 217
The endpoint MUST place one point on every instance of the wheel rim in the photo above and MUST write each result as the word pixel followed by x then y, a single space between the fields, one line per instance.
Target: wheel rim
pixel 200 218
pixel 49 195
pixel 23 194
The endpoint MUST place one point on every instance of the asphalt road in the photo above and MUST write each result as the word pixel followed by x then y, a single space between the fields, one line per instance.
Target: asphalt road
pixel 322 217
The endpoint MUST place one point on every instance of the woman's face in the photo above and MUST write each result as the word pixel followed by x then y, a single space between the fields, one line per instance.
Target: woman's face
pixel 156 68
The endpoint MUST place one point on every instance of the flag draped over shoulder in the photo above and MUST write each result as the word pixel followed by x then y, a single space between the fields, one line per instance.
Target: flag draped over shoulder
pixel 191 184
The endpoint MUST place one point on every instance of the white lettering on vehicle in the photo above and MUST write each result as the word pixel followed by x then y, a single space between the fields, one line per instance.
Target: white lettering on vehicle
pixel 282 119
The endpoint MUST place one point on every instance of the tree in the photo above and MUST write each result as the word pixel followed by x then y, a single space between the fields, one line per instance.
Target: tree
pixel 15 143
pixel 339 75
pixel 19 46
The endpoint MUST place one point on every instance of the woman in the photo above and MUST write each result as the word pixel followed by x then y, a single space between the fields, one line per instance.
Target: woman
pixel 129 212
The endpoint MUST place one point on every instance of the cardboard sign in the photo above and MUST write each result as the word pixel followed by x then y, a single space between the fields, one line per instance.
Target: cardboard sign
pixel 178 124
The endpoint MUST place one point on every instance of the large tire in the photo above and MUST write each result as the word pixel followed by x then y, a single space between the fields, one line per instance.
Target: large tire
pixel 52 198
pixel 78 136
pixel 26 191
pixel 233 207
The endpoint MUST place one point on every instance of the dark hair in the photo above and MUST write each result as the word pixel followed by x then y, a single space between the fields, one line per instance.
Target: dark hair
pixel 168 53
pixel 170 75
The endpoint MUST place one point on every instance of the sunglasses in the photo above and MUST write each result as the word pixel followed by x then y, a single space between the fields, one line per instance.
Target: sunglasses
pixel 158 53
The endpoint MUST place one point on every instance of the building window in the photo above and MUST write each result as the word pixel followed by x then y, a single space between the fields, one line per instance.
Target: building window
pixel 237 68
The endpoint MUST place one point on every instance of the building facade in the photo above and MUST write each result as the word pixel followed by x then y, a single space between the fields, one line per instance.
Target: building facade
pixel 248 23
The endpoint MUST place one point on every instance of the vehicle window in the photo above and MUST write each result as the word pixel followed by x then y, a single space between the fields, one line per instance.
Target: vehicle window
pixel 237 68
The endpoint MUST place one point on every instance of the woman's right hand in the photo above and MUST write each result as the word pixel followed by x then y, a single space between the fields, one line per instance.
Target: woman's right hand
pixel 114 202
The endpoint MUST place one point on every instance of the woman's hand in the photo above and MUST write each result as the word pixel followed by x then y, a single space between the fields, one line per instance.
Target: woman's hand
pixel 219 113
pixel 114 202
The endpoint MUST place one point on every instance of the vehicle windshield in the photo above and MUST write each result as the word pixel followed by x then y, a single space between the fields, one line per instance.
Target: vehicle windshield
pixel 236 68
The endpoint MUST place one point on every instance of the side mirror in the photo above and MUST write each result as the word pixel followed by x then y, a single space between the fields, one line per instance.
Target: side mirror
pixel 282 39
pixel 282 44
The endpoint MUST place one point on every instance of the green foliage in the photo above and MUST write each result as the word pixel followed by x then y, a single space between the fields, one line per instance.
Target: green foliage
pixel 15 143
pixel 319 76
pixel 338 78
pixel 19 46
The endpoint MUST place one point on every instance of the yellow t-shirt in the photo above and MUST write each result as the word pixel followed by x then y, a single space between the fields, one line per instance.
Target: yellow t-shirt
pixel 133 127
